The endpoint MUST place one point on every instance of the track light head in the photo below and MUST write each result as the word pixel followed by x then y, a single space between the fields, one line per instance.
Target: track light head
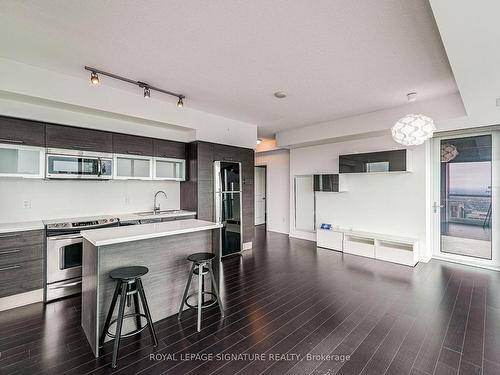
pixel 147 93
pixel 94 78
pixel 180 102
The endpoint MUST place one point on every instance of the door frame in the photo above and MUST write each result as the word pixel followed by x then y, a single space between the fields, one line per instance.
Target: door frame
pixel 435 160
pixel 264 166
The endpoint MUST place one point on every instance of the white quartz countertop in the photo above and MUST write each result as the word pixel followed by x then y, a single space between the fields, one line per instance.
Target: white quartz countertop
pixel 111 236
pixel 21 226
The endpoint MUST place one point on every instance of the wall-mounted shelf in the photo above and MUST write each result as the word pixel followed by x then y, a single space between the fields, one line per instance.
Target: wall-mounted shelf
pixel 332 183
pixel 395 249
pixel 376 162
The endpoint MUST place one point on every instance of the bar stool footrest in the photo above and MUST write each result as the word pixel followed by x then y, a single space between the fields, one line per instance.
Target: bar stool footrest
pixel 132 333
pixel 203 306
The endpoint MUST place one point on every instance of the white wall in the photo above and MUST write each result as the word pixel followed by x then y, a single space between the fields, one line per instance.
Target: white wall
pixel 392 203
pixel 277 186
pixel 60 199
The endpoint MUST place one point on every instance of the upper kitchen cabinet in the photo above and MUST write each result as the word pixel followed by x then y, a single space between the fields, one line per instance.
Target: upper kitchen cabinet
pixel 132 145
pixel 22 132
pixel 22 161
pixel 169 149
pixel 73 138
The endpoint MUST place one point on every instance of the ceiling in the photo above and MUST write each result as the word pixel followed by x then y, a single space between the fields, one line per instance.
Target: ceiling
pixel 334 59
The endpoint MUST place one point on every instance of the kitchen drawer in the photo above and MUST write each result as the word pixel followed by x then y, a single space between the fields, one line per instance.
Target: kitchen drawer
pixel 82 139
pixel 359 246
pixel 169 149
pixel 20 254
pixel 329 239
pixel 396 253
pixel 18 240
pixel 24 132
pixel 21 277
pixel 132 145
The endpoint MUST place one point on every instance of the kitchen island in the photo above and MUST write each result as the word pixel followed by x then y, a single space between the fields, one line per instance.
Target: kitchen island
pixel 162 247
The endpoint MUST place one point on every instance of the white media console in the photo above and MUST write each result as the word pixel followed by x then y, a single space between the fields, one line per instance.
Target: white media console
pixel 402 250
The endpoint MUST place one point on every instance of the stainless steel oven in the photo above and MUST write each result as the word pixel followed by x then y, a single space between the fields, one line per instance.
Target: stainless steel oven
pixel 64 255
pixel 71 164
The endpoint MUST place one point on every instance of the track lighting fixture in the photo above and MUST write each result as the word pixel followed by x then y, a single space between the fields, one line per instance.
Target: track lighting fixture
pixel 147 87
pixel 94 78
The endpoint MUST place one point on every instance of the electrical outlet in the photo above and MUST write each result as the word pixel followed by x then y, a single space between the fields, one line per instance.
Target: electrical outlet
pixel 127 200
pixel 26 203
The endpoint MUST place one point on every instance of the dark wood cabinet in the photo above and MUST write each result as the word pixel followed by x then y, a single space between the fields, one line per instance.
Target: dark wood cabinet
pixel 169 149
pixel 383 161
pixel 22 132
pixel 132 145
pixel 73 138
pixel 248 218
pixel 198 193
pixel 21 262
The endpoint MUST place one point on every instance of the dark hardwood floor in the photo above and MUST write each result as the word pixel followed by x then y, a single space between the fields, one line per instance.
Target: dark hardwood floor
pixel 290 309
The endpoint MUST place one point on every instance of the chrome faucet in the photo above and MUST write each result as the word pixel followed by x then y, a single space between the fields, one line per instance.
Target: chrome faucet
pixel 156 207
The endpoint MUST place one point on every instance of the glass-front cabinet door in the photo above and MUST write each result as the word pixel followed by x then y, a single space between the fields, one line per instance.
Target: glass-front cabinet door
pixel 22 161
pixel 169 169
pixel 128 167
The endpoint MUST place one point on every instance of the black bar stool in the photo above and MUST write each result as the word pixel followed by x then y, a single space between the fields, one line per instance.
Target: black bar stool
pixel 202 265
pixel 128 283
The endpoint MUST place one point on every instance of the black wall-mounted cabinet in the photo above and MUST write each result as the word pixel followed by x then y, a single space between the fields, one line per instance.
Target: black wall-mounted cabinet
pixel 383 161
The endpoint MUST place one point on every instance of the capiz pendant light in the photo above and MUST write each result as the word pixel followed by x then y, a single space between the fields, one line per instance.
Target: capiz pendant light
pixel 413 130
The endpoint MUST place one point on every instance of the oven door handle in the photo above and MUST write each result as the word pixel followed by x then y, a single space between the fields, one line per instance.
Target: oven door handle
pixel 65 285
pixel 65 237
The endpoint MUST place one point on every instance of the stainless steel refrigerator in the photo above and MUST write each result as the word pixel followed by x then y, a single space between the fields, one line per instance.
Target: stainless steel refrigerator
pixel 227 180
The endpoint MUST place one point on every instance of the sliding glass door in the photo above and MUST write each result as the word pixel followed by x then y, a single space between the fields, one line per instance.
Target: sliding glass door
pixel 465 197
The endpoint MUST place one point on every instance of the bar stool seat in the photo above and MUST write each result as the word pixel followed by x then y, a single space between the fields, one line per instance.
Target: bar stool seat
pixel 202 265
pixel 128 273
pixel 201 257
pixel 128 284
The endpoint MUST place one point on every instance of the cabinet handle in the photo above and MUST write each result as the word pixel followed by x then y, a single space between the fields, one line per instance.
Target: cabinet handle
pixel 9 235
pixel 134 152
pixel 10 268
pixel 11 140
pixel 9 252
pixel 80 147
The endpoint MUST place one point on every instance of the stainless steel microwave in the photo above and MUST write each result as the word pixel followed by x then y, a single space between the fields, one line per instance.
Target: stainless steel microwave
pixel 71 164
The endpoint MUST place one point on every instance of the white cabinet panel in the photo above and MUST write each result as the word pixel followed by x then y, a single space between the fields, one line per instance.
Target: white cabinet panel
pixel 329 239
pixel 22 161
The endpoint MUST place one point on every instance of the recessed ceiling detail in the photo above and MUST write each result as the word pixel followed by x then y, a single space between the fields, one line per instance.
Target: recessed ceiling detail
pixel 337 58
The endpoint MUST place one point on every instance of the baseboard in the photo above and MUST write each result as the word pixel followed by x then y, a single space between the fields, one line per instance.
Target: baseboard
pixel 424 259
pixel 277 231
pixel 247 245
pixel 22 299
